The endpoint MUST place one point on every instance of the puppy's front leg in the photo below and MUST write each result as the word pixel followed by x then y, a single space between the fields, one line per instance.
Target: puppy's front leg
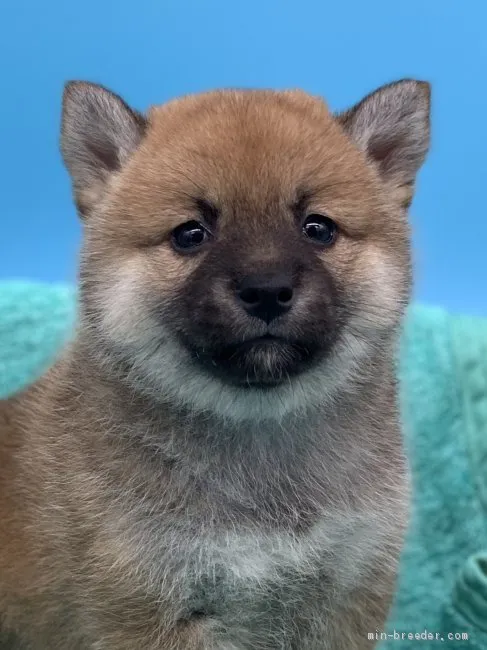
pixel 363 612
pixel 190 635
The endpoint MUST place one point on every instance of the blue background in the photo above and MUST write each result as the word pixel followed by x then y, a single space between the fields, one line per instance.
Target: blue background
pixel 152 50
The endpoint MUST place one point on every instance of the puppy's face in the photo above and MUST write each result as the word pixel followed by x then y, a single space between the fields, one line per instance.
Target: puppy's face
pixel 244 251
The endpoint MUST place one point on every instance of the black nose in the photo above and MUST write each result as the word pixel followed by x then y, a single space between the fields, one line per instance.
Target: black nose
pixel 266 296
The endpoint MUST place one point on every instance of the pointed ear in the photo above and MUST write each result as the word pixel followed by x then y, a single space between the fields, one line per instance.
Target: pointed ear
pixel 392 127
pixel 99 131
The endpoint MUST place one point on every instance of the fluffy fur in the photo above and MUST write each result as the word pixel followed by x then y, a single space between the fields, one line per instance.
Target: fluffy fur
pixel 175 481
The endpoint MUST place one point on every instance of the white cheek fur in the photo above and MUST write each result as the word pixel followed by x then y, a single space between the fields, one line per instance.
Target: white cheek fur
pixel 384 291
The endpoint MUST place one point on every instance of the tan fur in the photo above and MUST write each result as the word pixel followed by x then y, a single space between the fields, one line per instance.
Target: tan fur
pixel 136 490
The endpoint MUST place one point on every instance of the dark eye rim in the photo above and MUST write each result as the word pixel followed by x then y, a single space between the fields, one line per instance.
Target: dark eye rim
pixel 323 218
pixel 189 249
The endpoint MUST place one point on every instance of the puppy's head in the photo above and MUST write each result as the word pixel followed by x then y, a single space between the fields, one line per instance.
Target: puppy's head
pixel 245 252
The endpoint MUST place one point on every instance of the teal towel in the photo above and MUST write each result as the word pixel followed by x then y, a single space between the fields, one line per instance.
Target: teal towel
pixel 442 588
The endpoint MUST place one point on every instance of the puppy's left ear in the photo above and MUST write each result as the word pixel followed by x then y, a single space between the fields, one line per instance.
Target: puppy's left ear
pixel 392 127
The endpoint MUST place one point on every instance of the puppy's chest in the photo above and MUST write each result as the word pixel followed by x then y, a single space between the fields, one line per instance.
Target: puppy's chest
pixel 237 569
pixel 237 575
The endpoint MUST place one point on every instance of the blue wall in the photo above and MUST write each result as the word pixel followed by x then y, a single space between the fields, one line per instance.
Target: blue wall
pixel 151 50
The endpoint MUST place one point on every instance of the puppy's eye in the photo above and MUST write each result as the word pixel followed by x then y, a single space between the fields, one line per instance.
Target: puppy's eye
pixel 189 235
pixel 320 229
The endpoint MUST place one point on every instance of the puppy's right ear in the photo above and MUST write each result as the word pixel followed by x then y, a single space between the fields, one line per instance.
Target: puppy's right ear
pixel 99 132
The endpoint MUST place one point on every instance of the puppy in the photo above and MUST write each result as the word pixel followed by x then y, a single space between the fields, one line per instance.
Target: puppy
pixel 215 461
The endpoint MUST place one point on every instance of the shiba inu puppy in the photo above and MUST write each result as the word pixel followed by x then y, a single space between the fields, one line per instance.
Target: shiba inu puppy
pixel 215 461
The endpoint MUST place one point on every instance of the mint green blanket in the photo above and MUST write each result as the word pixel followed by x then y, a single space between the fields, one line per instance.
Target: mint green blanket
pixel 442 590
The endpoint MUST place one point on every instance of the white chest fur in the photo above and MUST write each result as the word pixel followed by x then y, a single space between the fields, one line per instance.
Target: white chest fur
pixel 340 545
pixel 250 586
